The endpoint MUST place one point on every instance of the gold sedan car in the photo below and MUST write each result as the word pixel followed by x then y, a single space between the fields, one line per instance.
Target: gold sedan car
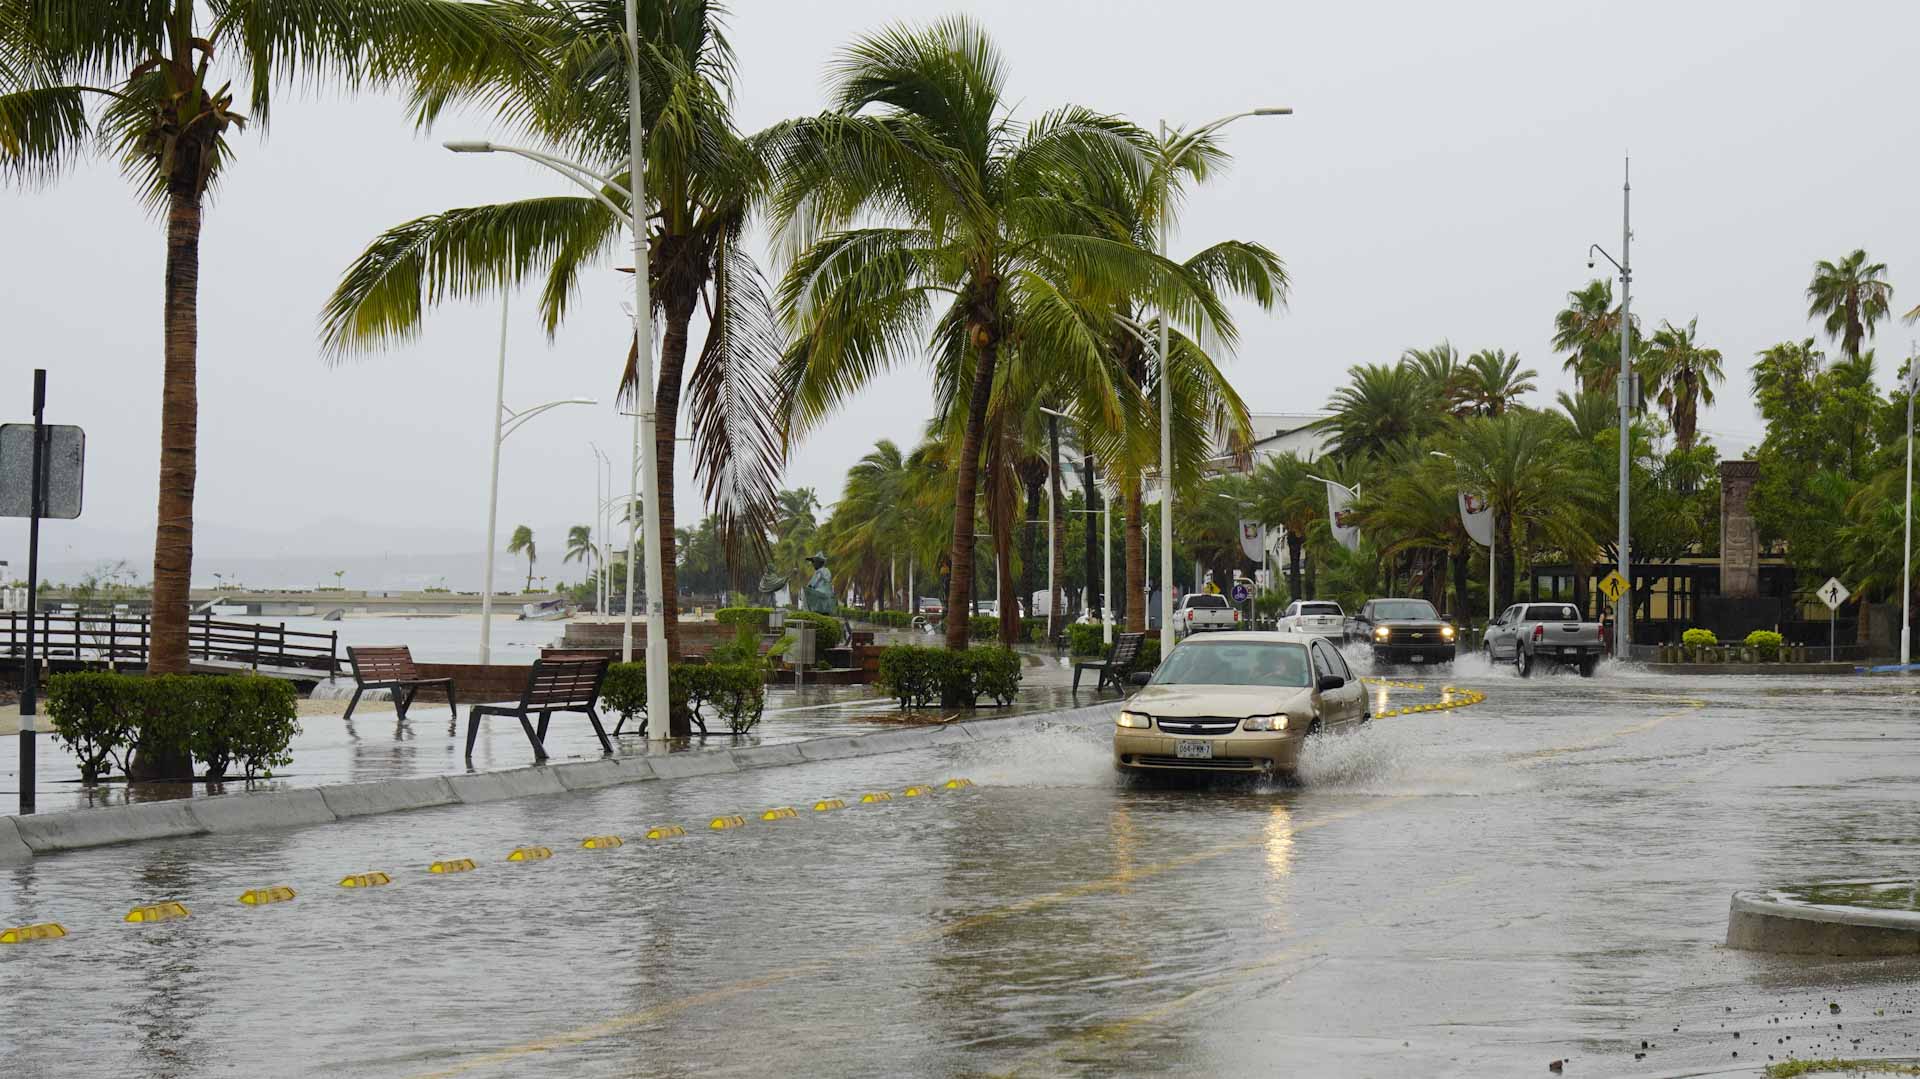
pixel 1237 703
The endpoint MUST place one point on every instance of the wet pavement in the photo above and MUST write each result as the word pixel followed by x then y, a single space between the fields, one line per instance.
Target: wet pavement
pixel 1540 877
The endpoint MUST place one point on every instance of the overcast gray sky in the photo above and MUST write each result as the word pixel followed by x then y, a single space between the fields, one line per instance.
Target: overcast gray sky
pixel 1445 171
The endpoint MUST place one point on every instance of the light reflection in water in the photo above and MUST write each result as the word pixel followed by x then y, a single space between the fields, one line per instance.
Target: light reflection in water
pixel 1279 852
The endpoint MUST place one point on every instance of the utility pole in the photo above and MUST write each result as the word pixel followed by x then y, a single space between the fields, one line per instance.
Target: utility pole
pixel 1623 607
pixel 1906 559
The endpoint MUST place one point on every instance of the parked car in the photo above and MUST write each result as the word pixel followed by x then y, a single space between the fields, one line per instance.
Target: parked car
pixel 1316 616
pixel 1402 631
pixel 1202 612
pixel 1237 704
pixel 986 608
pixel 1527 634
pixel 932 608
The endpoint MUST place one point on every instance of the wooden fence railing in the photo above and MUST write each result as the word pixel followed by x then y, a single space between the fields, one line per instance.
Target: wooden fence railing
pixel 113 639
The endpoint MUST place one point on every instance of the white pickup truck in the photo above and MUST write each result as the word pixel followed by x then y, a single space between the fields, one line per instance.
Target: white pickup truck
pixel 1200 612
pixel 1527 634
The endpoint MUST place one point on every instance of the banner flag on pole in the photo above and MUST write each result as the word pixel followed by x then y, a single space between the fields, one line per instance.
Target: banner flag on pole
pixel 1340 514
pixel 1253 537
pixel 1476 516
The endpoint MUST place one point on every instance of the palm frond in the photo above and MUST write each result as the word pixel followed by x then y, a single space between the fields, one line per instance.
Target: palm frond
pixel 733 418
pixel 43 130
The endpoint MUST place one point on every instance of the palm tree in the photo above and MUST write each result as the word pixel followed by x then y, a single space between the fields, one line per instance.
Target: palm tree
pixel 1442 371
pixel 1380 406
pixel 1588 331
pixel 1685 374
pixel 1286 496
pixel 522 543
pixel 1589 414
pixel 1850 296
pixel 922 191
pixel 1529 470
pixel 1493 381
pixel 145 83
pixel 702 179
pixel 868 530
pixel 580 545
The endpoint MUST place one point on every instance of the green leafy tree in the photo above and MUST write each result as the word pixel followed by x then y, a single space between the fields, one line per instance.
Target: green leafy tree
pixel 1684 373
pixel 580 546
pixel 150 84
pixel 1382 405
pixel 1494 381
pixel 1444 373
pixel 1588 331
pixel 1525 465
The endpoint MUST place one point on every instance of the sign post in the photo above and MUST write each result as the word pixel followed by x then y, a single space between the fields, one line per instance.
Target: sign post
pixel 1243 593
pixel 1833 594
pixel 49 486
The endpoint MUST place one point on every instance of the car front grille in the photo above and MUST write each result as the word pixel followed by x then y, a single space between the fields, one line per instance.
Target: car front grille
pixel 1215 764
pixel 1197 724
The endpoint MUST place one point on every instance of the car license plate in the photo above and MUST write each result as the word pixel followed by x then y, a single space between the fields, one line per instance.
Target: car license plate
pixel 1417 658
pixel 1193 751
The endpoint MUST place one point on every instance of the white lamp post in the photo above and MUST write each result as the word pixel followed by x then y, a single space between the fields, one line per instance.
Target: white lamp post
pixel 1623 607
pixel 1906 549
pixel 505 422
pixel 1170 151
pixel 646 487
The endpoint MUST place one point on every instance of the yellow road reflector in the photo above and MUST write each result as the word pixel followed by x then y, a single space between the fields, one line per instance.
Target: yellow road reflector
pixel 254 897
pixel 20 934
pixel 666 831
pixel 530 854
pixel 828 803
pixel 365 880
pixel 956 784
pixel 915 792
pixel 780 813
pixel 721 824
pixel 602 842
pixel 158 912
pixel 876 796
pixel 453 865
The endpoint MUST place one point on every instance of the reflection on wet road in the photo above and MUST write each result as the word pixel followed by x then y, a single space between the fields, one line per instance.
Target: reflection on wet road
pixel 1479 891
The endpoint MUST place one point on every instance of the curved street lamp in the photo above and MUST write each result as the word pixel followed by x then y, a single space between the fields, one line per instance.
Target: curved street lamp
pixel 1170 150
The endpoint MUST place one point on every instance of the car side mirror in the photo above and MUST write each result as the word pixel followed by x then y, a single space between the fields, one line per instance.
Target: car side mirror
pixel 1331 681
pixel 1140 678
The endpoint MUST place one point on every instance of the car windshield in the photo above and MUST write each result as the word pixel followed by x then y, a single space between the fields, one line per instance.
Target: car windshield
pixel 1403 608
pixel 1553 612
pixel 1205 600
pixel 1240 663
pixel 1320 608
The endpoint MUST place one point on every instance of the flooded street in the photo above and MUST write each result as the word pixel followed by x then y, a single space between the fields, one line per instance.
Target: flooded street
pixel 1541 877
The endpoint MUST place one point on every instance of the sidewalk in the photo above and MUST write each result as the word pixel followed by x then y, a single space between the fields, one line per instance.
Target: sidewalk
pixel 374 745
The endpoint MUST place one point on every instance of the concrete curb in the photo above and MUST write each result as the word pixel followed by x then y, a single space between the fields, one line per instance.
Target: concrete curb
pixel 22 838
pixel 1763 922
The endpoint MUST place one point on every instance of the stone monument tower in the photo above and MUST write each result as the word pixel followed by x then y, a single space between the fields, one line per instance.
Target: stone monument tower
pixel 1739 536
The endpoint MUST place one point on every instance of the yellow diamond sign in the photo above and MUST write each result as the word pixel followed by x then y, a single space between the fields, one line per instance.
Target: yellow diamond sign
pixel 1613 586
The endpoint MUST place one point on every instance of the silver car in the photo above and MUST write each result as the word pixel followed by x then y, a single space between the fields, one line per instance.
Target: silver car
pixel 1317 617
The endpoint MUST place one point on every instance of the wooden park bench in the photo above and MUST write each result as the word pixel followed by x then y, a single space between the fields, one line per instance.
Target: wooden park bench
pixel 1114 668
pixel 553 685
pixel 392 668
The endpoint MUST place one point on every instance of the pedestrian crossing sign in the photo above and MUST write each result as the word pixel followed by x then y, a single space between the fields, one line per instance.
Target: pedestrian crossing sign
pixel 1613 586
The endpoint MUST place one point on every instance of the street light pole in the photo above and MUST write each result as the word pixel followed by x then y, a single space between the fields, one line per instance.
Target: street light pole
pixel 1906 560
pixel 1623 391
pixel 1169 153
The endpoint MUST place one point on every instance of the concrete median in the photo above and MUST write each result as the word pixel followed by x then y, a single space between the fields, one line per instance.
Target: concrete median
pixel 12 847
pixel 257 812
pixel 496 786
pixel 591 775
pixel 767 756
pixel 75 829
pixel 683 765
pixel 387 796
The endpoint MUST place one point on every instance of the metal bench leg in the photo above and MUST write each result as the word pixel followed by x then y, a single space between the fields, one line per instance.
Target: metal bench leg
pixel 545 717
pixel 473 730
pixel 403 699
pixel 539 747
pixel 606 744
pixel 352 704
pixel 453 707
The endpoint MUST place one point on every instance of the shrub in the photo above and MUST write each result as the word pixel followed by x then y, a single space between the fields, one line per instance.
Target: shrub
pixel 918 676
pixel 1083 639
pixel 1766 643
pixel 1699 638
pixel 219 720
pixel 827 628
pixel 737 692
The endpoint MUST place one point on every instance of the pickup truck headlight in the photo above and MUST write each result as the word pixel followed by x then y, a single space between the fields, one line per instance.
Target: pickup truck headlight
pixel 1447 632
pixel 1137 720
pixel 1265 723
pixel 1381 633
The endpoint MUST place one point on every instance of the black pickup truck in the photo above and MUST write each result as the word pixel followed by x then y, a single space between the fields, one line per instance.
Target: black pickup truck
pixel 1402 631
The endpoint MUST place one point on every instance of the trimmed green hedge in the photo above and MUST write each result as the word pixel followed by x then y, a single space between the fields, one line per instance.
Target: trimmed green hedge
pixel 1699 638
pixel 918 676
pixel 1766 644
pixel 218 720
pixel 1083 639
pixel 827 629
pixel 737 692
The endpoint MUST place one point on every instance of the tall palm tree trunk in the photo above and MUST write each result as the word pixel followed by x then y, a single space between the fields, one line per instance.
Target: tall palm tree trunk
pixel 1133 531
pixel 966 479
pixel 1296 544
pixel 1030 542
pixel 666 430
pixel 1056 596
pixel 179 435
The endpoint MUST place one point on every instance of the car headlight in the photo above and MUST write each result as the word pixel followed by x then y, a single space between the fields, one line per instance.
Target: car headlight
pixel 1447 632
pixel 1265 723
pixel 1134 719
pixel 1381 633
